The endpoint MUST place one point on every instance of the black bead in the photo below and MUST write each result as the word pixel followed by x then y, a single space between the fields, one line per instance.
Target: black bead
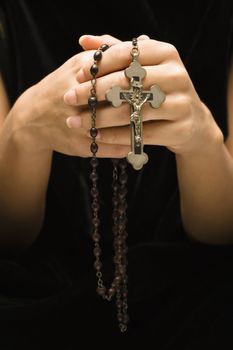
pixel 97 265
pixel 94 162
pixel 122 193
pixel 134 41
pixel 97 55
pixel 122 208
pixel 123 178
pixel 101 290
pixel 104 47
pixel 94 176
pixel 94 69
pixel 92 101
pixel 97 251
pixel 95 206
pixel 96 222
pixel 94 191
pixel 96 237
pixel 123 164
pixel 115 161
pixel 94 147
pixel 93 132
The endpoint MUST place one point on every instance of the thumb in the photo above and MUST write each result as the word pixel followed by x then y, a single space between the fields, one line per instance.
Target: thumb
pixel 93 42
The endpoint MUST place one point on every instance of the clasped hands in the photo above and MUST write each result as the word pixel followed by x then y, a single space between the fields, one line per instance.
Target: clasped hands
pixel 182 123
pixel 53 114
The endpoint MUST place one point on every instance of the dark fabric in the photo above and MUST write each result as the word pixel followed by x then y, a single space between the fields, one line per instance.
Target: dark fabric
pixel 180 292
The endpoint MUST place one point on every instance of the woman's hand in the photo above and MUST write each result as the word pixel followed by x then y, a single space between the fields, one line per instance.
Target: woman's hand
pixel 182 123
pixel 40 115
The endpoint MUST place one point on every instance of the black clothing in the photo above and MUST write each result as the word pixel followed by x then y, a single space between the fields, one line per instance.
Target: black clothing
pixel 180 292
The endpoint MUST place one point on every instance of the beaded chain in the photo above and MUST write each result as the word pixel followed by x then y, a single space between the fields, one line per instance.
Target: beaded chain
pixel 118 287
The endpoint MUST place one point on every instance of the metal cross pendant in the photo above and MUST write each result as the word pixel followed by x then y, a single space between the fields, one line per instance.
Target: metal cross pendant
pixel 136 97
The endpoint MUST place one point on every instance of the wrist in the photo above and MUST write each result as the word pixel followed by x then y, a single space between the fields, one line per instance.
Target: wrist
pixel 208 140
pixel 19 126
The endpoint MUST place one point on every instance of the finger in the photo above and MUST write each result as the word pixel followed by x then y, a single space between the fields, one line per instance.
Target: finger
pixel 118 57
pixel 108 116
pixel 79 142
pixel 161 133
pixel 143 37
pixel 93 42
pixel 170 79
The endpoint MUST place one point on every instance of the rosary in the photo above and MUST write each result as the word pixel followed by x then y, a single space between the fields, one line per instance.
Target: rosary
pixel 136 97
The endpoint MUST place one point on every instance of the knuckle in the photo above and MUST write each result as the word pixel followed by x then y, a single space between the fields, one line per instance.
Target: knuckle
pixel 171 51
pixel 187 105
pixel 186 130
pixel 107 37
pixel 86 74
pixel 180 77
pixel 123 50
pixel 184 105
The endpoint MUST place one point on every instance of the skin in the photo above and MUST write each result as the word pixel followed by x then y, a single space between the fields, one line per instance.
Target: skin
pixel 59 119
pixel 183 124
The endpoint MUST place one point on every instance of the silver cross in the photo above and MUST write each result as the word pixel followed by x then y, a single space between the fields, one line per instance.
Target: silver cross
pixel 136 97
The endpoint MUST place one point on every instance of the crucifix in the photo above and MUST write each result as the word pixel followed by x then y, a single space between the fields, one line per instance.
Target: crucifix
pixel 136 97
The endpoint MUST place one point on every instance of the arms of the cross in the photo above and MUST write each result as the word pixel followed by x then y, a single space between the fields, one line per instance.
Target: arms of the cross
pixel 136 97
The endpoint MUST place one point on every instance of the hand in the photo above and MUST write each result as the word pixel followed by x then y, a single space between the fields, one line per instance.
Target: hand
pixel 41 114
pixel 182 123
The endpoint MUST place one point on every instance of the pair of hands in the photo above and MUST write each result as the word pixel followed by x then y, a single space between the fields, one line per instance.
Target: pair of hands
pixel 59 118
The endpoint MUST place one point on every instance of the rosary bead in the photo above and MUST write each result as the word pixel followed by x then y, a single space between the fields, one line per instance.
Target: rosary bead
pixel 104 47
pixel 122 269
pixel 97 55
pixel 114 187
pixel 117 279
pixel 122 219
pixel 95 206
pixel 119 315
pixel 94 193
pixel 94 176
pixel 122 208
pixel 93 132
pixel 111 292
pixel 122 193
pixel 97 265
pixel 101 290
pixel 94 162
pixel 115 202
pixel 97 251
pixel 134 41
pixel 115 161
pixel 96 222
pixel 96 237
pixel 125 294
pixel 125 318
pixel 123 178
pixel 92 102
pixel 94 69
pixel 121 227
pixel 94 147
pixel 123 164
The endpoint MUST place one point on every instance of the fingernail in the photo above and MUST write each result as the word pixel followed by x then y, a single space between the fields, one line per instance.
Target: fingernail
pixel 73 122
pixel 70 97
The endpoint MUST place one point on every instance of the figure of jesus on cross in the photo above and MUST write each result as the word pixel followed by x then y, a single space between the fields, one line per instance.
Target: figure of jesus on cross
pixel 136 97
